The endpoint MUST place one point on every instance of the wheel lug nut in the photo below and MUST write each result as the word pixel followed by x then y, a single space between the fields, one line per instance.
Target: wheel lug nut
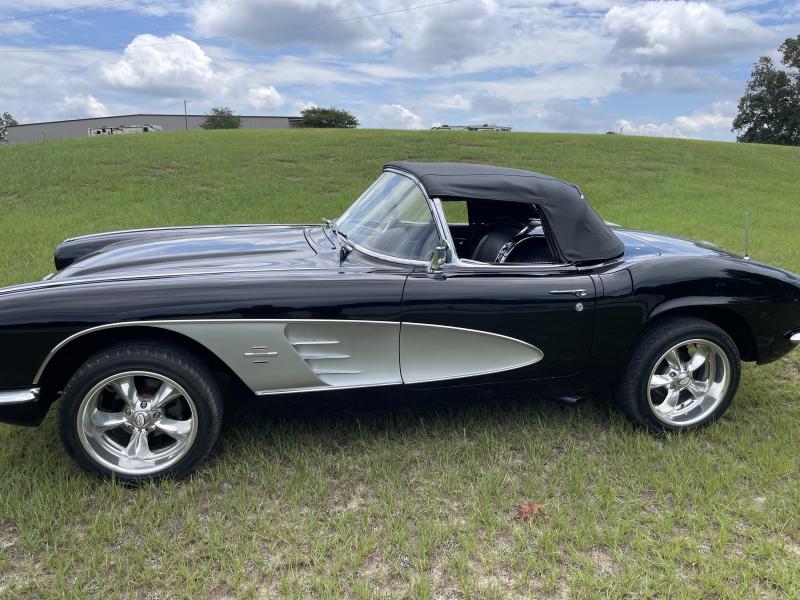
pixel 156 415
pixel 128 411
pixel 143 404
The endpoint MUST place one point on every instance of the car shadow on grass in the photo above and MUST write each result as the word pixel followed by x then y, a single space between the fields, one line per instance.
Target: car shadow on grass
pixel 333 419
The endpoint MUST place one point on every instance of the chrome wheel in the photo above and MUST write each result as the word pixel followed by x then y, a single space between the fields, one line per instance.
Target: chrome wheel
pixel 137 423
pixel 688 382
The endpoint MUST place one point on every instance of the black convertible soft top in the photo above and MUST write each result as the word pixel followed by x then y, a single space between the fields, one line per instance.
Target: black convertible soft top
pixel 576 230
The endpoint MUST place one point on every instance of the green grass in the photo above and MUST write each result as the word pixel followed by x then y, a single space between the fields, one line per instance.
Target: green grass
pixel 409 501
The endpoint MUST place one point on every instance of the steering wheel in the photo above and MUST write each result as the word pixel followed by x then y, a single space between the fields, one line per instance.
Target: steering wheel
pixel 530 230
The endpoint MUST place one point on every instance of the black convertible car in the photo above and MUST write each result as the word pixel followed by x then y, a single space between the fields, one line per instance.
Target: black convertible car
pixel 528 287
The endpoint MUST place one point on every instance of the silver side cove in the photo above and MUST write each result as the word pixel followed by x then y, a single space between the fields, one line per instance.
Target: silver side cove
pixel 436 353
pixel 286 356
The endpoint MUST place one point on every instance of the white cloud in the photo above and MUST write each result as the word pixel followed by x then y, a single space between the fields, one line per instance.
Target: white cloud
pixel 397 116
pixel 489 103
pixel 450 102
pixel 161 66
pixel 302 105
pixel 452 33
pixel 649 129
pixel 680 80
pixel 264 97
pixel 715 121
pixel 551 85
pixel 84 105
pixel 712 123
pixel 286 22
pixel 680 33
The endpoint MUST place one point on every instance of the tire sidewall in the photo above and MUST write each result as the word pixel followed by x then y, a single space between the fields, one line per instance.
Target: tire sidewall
pixel 200 386
pixel 650 351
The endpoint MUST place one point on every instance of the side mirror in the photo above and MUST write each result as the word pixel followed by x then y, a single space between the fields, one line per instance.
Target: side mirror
pixel 441 256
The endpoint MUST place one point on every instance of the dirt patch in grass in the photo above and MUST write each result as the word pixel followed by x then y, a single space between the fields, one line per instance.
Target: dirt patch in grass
pixel 791 370
pixel 159 170
pixel 9 198
pixel 9 536
pixel 603 561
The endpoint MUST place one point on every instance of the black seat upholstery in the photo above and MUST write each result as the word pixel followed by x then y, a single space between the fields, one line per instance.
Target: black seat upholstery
pixel 490 240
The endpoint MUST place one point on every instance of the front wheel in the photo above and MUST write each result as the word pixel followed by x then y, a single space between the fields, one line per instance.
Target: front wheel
pixel 141 411
pixel 683 374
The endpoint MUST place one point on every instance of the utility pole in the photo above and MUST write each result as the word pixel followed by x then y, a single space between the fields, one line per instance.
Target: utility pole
pixel 186 114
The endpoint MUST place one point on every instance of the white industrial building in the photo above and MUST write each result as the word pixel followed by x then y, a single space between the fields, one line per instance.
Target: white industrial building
pixel 140 123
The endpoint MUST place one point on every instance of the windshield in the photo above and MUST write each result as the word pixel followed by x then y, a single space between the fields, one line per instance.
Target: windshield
pixel 392 217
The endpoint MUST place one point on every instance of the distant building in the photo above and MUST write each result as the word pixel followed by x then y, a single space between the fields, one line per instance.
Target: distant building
pixel 484 127
pixel 124 129
pixel 141 123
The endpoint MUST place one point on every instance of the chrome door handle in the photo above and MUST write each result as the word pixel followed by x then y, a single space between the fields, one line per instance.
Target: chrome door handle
pixel 578 293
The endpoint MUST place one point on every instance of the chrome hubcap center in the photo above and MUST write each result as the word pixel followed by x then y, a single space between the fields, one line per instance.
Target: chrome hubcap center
pixel 140 419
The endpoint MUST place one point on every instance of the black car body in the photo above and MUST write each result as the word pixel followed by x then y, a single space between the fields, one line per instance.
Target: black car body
pixel 533 286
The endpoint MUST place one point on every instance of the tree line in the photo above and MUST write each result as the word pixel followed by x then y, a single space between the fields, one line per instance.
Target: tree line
pixel 223 117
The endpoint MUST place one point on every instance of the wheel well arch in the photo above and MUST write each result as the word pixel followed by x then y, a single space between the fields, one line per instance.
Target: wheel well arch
pixel 728 320
pixel 60 366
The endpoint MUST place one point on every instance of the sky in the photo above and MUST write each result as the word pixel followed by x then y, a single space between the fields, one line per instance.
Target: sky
pixel 669 68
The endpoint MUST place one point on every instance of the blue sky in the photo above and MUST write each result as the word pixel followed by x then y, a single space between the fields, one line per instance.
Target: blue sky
pixel 650 68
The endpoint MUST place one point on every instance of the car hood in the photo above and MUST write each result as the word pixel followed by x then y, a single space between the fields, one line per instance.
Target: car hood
pixel 184 251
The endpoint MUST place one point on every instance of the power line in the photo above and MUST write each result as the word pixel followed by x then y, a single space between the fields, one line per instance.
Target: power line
pixel 63 10
pixel 235 35
pixel 106 14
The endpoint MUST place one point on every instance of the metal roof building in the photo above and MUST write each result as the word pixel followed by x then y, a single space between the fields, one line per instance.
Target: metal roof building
pixel 76 128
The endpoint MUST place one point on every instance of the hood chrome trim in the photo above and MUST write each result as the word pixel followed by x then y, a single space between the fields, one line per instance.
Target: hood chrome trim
pixel 181 227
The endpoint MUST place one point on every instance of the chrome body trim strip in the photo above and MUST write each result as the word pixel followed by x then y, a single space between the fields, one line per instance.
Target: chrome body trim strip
pixel 9 397
pixel 795 338
pixel 326 388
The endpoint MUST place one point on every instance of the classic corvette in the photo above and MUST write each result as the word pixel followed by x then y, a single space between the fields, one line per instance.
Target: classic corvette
pixel 139 332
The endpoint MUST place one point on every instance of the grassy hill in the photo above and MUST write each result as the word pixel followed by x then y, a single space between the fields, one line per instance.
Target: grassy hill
pixel 52 190
pixel 412 501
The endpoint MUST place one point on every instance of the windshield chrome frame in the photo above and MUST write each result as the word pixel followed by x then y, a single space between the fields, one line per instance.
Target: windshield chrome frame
pixel 397 259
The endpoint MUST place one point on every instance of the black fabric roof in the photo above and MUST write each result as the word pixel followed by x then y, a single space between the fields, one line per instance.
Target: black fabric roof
pixel 577 231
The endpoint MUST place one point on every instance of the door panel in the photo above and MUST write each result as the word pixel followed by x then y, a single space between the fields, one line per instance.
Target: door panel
pixel 517 303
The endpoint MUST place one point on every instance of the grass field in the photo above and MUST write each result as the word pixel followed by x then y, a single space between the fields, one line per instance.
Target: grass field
pixel 411 501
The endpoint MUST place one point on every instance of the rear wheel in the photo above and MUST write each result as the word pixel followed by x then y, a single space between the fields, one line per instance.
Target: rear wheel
pixel 141 411
pixel 683 374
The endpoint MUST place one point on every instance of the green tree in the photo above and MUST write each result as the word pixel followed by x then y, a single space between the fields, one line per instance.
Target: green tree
pixel 6 121
pixel 769 111
pixel 328 117
pixel 222 117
